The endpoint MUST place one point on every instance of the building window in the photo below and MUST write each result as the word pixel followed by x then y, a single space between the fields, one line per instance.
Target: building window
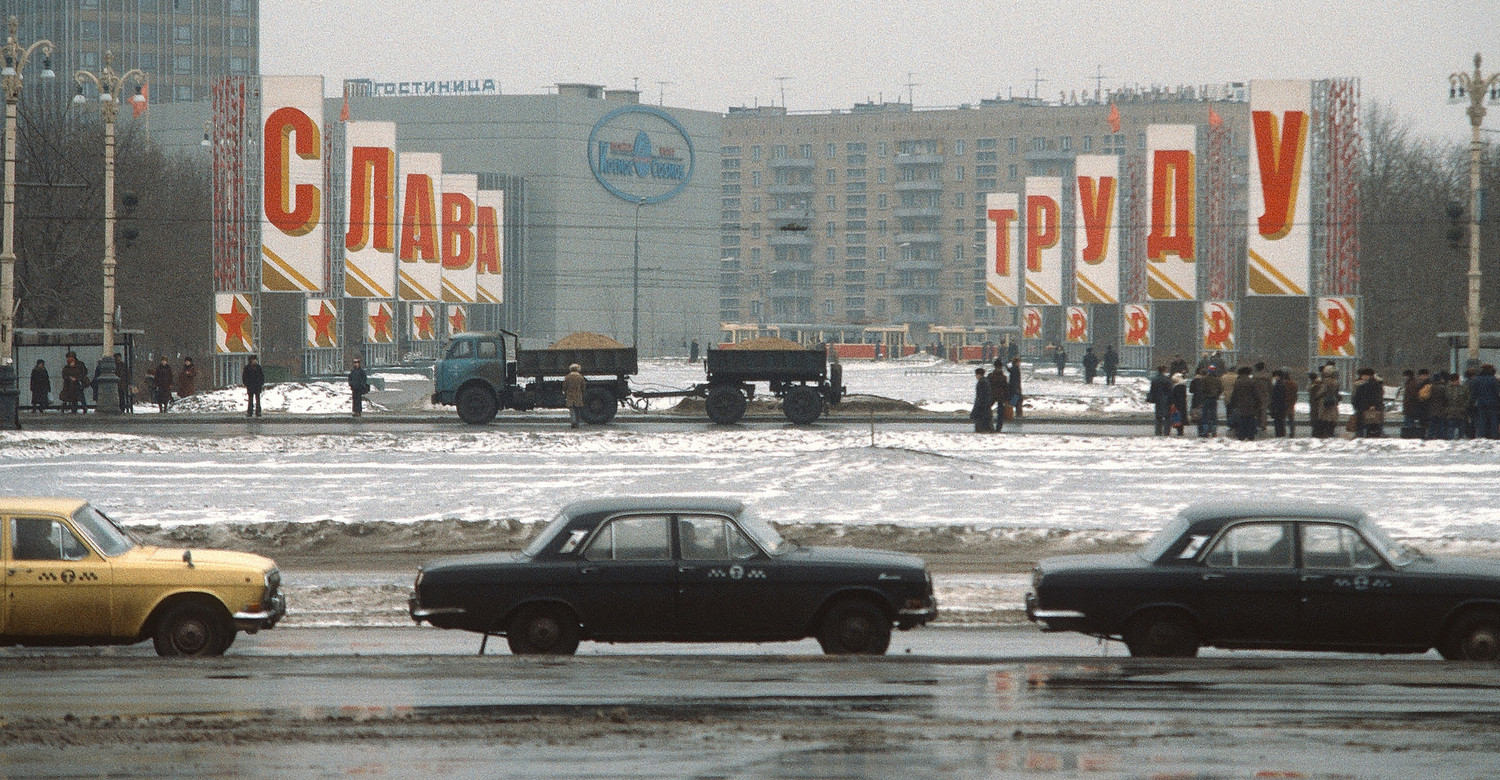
pixel 880 175
pixel 833 202
pixel 730 163
pixel 959 147
pixel 855 200
pixel 958 307
pixel 236 64
pixel 1065 143
pixel 182 33
pixel 1088 143
pixel 90 30
pixel 959 198
pixel 958 251
pixel 239 7
pixel 89 59
pixel 884 200
pixel 959 226
pixel 1038 144
pixel 183 92
pixel 854 238
pixel 880 148
pixel 1011 173
pixel 755 230
pixel 755 204
pixel 729 189
pixel 778 152
pixel 880 306
pixel 880 226
pixel 1140 141
pixel 182 63
pixel 831 255
pixel 805 151
pixel 90 5
pixel 852 173
pixel 833 229
pixel 958 173
pixel 958 280
pixel 239 36
pixel 754 153
pixel 1012 145
pixel 729 151
pixel 754 256
pixel 730 176
pixel 831 176
pixel 755 309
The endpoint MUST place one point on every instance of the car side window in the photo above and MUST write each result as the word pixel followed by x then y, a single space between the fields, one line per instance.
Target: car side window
pixel 712 539
pixel 41 539
pixel 1329 546
pixel 488 349
pixel 1253 545
pixel 461 349
pixel 646 538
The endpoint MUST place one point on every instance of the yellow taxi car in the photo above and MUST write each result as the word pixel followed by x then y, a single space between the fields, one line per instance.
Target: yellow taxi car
pixel 72 576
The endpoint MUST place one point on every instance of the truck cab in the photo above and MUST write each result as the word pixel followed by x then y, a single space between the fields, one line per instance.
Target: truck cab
pixel 473 372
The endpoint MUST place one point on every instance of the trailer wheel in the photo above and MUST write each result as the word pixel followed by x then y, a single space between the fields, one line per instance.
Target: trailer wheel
pixel 726 404
pixel 476 405
pixel 802 405
pixel 835 382
pixel 599 406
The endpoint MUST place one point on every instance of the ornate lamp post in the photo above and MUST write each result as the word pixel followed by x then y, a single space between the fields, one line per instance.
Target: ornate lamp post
pixel 108 83
pixel 1474 87
pixel 16 57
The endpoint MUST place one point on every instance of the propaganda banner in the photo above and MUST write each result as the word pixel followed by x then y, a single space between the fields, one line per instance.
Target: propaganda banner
pixel 1078 325
pixel 322 323
pixel 1097 206
pixel 1002 279
pixel 1172 199
pixel 234 320
pixel 1336 321
pixel 460 191
pixel 1044 255
pixel 458 319
pixel 419 263
pixel 1031 323
pixel 1218 326
pixel 424 322
pixel 1279 244
pixel 370 236
pixel 1137 324
pixel 378 322
pixel 292 227
pixel 489 247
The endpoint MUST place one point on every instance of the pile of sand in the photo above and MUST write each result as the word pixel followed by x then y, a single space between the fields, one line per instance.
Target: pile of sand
pixel 586 340
pixel 765 342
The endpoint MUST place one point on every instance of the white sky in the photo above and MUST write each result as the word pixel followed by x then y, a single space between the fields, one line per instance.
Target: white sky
pixel 717 54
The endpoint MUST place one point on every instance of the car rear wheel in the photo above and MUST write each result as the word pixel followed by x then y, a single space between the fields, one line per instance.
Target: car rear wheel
pixel 192 629
pixel 1473 637
pixel 1162 636
pixel 542 631
pixel 855 628
pixel 476 405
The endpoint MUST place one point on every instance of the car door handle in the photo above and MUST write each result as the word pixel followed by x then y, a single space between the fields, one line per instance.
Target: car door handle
pixel 1212 575
pixel 686 569
pixel 589 570
pixel 1311 577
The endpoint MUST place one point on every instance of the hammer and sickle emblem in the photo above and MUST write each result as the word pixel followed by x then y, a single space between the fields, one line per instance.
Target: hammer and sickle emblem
pixel 1220 328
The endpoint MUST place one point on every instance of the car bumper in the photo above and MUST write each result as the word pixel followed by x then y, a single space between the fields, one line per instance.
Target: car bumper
pixel 250 622
pixel 1053 619
pixel 913 617
pixel 420 614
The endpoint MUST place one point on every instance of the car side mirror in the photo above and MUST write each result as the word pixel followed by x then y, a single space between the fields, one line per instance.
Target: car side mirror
pixel 187 558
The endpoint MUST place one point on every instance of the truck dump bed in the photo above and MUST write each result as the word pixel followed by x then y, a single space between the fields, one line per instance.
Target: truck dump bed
pixel 593 362
pixel 766 365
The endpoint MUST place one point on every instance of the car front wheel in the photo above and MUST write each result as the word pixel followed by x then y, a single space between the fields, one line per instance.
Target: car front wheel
pixel 1162 636
pixel 1473 637
pixel 192 629
pixel 855 628
pixel 542 631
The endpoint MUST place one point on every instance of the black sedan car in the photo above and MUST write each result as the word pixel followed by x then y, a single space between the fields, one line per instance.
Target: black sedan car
pixel 674 569
pixel 1282 576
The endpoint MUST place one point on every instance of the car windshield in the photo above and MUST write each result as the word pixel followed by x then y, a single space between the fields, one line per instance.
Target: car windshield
pixel 1397 553
pixel 1158 544
pixel 763 533
pixel 109 538
pixel 539 543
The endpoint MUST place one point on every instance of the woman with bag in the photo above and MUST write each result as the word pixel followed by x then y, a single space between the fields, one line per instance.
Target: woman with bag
pixel 1369 405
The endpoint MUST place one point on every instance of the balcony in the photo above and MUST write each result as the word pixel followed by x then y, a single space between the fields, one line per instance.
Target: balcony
pixel 927 264
pixel 919 159
pixel 790 189
pixel 918 238
pixel 799 215
pixel 791 292
pixel 789 238
pixel 792 264
pixel 916 292
pixel 928 212
pixel 919 185
pixel 790 162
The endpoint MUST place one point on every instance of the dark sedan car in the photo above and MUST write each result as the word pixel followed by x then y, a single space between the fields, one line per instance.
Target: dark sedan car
pixel 668 569
pixel 1283 576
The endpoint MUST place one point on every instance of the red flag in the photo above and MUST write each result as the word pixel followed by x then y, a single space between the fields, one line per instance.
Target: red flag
pixel 1114 118
pixel 138 107
pixel 1214 120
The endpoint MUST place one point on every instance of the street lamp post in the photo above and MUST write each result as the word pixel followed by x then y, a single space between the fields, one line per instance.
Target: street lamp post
pixel 635 283
pixel 16 57
pixel 108 83
pixel 1474 87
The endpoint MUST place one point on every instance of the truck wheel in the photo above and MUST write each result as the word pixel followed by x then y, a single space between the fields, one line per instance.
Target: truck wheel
pixel 476 405
pixel 836 383
pixel 542 631
pixel 726 404
pixel 1474 637
pixel 599 406
pixel 192 629
pixel 802 405
pixel 1162 635
pixel 854 627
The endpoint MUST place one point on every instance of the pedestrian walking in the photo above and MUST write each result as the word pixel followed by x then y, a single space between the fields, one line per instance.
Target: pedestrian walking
pixel 1179 402
pixel 1436 401
pixel 1246 405
pixel 253 377
pixel 359 386
pixel 122 374
pixel 1262 379
pixel 1111 364
pixel 1323 400
pixel 1368 400
pixel 1279 402
pixel 1231 376
pixel 75 379
pixel 1413 425
pixel 1456 406
pixel 573 386
pixel 1017 397
pixel 1289 389
pixel 187 379
pixel 1208 409
pixel 1000 393
pixel 41 387
pixel 1160 397
pixel 1060 357
pixel 1484 394
pixel 980 413
pixel 1090 365
pixel 161 384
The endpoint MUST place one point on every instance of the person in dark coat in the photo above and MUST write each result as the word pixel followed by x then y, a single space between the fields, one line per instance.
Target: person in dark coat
pixel 1060 357
pixel 1484 394
pixel 122 373
pixel 187 379
pixel 1245 401
pixel 253 377
pixel 999 393
pixel 1111 364
pixel 1435 403
pixel 1160 398
pixel 693 355
pixel 359 384
pixel 1208 408
pixel 1278 403
pixel 980 414
pixel 75 378
pixel 1090 365
pixel 1017 398
pixel 161 381
pixel 1368 400
pixel 574 386
pixel 41 387
pixel 1179 411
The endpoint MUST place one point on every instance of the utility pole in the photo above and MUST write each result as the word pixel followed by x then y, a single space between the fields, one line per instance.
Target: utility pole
pixel 783 80
pixel 1037 82
pixel 911 86
pixel 661 95
pixel 1474 87
pixel 1099 78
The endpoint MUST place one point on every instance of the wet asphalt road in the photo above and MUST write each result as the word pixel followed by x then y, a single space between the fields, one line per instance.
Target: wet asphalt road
pixel 964 703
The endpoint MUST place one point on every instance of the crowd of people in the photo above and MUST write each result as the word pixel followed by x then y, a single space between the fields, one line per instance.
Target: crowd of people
pixel 76 381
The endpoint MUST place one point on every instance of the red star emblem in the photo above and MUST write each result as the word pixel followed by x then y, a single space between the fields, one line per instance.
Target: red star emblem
pixel 457 320
pixel 422 319
pixel 236 326
pixel 380 325
pixel 322 325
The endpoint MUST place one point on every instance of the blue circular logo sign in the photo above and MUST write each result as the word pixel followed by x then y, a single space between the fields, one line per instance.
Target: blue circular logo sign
pixel 641 154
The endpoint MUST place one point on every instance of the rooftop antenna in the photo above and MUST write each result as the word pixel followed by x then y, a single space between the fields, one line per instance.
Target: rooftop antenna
pixel 635 83
pixel 783 80
pixel 1037 81
pixel 911 98
pixel 1099 78
pixel 661 95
